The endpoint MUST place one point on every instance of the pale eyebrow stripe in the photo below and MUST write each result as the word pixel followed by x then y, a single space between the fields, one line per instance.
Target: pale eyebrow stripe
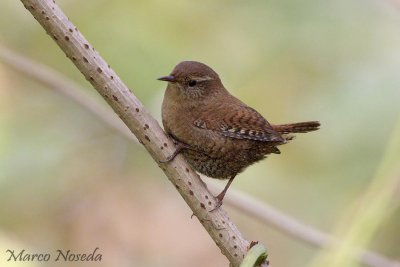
pixel 202 79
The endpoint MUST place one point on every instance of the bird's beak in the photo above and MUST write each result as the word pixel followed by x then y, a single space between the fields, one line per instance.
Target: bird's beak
pixel 169 78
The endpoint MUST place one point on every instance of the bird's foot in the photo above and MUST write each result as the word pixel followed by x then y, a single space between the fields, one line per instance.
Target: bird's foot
pixel 219 199
pixel 179 147
pixel 221 195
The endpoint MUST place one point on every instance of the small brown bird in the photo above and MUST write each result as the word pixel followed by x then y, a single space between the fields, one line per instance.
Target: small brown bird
pixel 217 133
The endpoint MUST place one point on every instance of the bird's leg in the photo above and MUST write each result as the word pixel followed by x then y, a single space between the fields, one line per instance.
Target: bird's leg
pixel 221 195
pixel 179 147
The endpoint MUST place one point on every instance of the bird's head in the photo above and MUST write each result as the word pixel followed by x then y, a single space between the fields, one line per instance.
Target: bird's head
pixel 193 80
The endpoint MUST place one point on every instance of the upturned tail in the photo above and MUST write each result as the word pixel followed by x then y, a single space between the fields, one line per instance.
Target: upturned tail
pixel 300 127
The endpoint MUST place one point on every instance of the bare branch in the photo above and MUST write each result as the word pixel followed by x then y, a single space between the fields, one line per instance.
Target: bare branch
pixel 217 223
pixel 248 205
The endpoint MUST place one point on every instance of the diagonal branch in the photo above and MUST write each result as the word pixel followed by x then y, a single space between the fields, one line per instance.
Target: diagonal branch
pixel 259 210
pixel 217 223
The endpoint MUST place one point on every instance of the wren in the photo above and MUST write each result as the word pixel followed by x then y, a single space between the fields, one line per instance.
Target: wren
pixel 218 134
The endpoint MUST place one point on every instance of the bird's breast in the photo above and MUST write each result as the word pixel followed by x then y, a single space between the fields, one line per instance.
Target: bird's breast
pixel 177 120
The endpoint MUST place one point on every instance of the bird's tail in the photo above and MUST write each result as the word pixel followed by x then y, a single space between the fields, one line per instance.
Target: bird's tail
pixel 300 127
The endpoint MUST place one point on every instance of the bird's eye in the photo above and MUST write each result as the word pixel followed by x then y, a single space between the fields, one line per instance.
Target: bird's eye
pixel 192 83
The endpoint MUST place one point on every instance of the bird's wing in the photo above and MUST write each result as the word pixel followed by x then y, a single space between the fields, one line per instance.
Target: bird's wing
pixel 238 121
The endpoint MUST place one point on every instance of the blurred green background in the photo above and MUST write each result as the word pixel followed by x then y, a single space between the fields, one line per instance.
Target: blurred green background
pixel 69 182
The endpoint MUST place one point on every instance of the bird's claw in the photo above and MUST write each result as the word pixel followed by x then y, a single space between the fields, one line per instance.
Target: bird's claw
pixel 219 204
pixel 219 199
pixel 179 148
pixel 169 158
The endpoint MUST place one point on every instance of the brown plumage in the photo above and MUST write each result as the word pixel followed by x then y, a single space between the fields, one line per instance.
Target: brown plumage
pixel 217 133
